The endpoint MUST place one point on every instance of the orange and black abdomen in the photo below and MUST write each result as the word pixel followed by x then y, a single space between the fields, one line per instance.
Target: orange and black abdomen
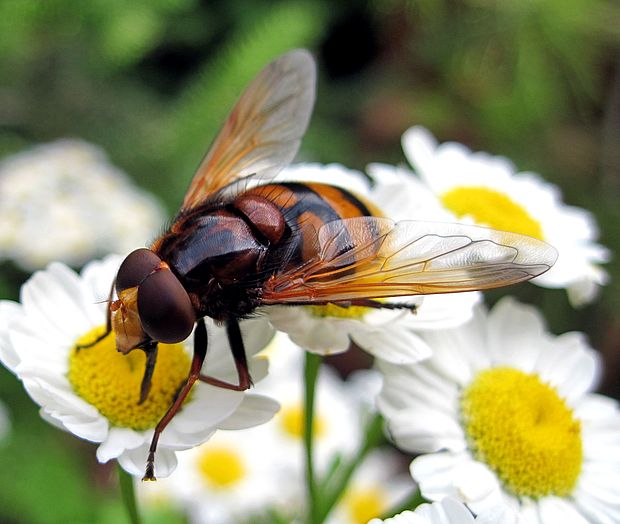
pixel 224 251
pixel 305 208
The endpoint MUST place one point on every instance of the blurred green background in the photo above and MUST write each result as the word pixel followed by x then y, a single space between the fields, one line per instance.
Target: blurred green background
pixel 151 81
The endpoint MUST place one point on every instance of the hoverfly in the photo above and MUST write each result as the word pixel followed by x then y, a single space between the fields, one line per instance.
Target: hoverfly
pixel 242 240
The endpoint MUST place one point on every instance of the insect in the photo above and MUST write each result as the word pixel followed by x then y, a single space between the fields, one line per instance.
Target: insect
pixel 243 240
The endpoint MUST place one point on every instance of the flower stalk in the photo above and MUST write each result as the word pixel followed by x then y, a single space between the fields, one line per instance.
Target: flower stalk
pixel 128 495
pixel 311 371
pixel 373 435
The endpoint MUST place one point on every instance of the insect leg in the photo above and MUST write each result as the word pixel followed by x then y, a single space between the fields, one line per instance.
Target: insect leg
pixel 363 302
pixel 200 351
pixel 108 324
pixel 238 350
pixel 151 358
pixel 377 304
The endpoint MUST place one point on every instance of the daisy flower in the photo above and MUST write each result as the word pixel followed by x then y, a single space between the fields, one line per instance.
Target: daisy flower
pixel 488 190
pixel 237 475
pixel 448 511
pixel 504 410
pixel 392 335
pixel 225 480
pixel 93 393
pixel 377 486
pixel 336 411
pixel 64 201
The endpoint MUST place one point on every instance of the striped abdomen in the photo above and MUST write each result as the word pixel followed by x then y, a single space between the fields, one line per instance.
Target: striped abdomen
pixel 305 208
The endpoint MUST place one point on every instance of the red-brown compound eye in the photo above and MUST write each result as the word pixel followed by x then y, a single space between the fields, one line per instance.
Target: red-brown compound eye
pixel 138 265
pixel 166 312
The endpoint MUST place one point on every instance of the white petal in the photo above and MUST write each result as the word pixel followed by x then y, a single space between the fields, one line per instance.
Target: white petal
pixel 119 440
pixel 316 334
pixel 570 365
pixel 257 333
pixel 419 146
pixel 133 461
pixel 207 408
pixel 9 311
pixel 424 430
pixel 49 299
pixel 515 334
pixel 448 511
pixel 253 411
pixel 393 344
pixel 434 473
pixel 446 311
pixel 333 174
pixel 554 509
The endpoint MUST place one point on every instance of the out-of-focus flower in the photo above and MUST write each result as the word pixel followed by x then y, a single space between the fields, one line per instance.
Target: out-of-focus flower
pixel 337 425
pixel 448 511
pixel 236 476
pixel 64 201
pixel 390 335
pixel 503 413
pixel 487 190
pixel 93 393
pixel 376 487
pixel 225 480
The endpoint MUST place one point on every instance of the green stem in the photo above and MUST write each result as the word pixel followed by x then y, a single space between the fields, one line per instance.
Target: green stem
pixel 373 436
pixel 311 371
pixel 129 495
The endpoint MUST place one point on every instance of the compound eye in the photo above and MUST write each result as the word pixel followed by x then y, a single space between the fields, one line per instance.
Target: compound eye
pixel 166 312
pixel 135 268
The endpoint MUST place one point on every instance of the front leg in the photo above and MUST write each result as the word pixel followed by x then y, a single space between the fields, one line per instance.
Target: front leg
pixel 108 323
pixel 200 351
pixel 238 350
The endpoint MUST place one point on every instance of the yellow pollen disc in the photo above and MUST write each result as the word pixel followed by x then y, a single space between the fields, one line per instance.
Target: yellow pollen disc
pixel 522 429
pixel 291 419
pixel 491 208
pixel 365 504
pixel 111 381
pixel 221 466
pixel 332 310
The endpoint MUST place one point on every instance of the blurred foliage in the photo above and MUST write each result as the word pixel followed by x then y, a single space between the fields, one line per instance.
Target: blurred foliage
pixel 152 80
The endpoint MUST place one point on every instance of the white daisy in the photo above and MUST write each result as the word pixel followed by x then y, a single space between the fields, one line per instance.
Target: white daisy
pixel 225 480
pixel 64 201
pixel 336 414
pixel 93 392
pixel 235 476
pixel 488 190
pixel 448 511
pixel 388 334
pixel 377 486
pixel 505 408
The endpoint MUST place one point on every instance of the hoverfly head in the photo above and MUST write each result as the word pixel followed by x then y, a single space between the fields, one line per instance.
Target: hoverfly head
pixel 152 304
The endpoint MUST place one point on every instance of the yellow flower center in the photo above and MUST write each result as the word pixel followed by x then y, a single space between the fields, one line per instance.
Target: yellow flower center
pixel 365 504
pixel 292 422
pixel 111 381
pixel 332 310
pixel 522 429
pixel 491 208
pixel 221 466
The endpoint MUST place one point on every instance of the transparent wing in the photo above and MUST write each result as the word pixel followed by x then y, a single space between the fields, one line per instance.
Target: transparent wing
pixel 370 257
pixel 264 129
